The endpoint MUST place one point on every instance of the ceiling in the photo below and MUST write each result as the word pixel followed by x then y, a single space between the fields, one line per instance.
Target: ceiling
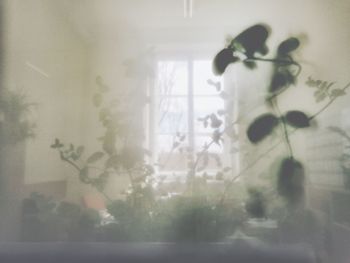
pixel 103 20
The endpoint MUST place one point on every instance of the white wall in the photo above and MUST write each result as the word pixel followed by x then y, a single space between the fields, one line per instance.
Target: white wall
pixel 74 45
pixel 47 60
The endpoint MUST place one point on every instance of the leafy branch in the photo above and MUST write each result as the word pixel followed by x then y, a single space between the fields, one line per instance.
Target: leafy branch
pixel 273 147
pixel 128 159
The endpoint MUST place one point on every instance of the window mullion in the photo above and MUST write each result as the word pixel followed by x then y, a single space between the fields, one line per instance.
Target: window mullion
pixel 190 104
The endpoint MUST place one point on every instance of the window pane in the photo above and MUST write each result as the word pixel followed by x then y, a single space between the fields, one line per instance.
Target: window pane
pixel 204 107
pixel 172 116
pixel 202 72
pixel 202 140
pixel 213 160
pixel 172 78
pixel 172 158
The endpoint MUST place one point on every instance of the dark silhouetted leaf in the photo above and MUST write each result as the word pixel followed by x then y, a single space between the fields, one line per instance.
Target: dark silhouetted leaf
pixel 261 127
pixel 249 64
pixel 288 46
pixel 281 80
pixel 222 60
pixel 297 119
pixel 290 180
pixel 95 157
pixel 252 40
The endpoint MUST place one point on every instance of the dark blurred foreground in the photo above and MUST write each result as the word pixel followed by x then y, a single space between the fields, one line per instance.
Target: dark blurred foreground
pixel 141 252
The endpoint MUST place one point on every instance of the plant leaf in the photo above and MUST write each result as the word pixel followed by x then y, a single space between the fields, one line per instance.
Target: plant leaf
pixel 281 80
pixel 249 64
pixel 290 180
pixel 222 60
pixel 74 156
pixel 215 84
pixel 252 40
pixel 215 122
pixel 337 92
pixel 57 144
pixel 297 119
pixel 261 127
pixel 95 157
pixel 224 95
pixel 216 136
pixel 288 46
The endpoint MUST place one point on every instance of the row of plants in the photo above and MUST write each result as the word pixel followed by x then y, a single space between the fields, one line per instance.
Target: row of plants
pixel 193 215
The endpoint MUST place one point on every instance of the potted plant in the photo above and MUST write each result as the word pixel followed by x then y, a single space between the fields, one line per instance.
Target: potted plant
pixel 15 128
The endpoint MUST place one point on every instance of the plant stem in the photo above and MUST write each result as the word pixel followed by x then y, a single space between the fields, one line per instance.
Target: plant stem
pixel 273 60
pixel 70 162
pixel 328 103
pixel 201 155
pixel 284 128
pixel 79 170
pixel 132 182
pixel 250 165
pixel 261 156
pixel 279 61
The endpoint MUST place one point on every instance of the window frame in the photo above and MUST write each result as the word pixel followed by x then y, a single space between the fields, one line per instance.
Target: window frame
pixel 189 57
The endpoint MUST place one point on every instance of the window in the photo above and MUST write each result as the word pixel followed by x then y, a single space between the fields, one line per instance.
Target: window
pixel 186 91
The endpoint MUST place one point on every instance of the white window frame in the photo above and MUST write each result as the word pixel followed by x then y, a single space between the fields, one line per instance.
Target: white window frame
pixel 189 57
